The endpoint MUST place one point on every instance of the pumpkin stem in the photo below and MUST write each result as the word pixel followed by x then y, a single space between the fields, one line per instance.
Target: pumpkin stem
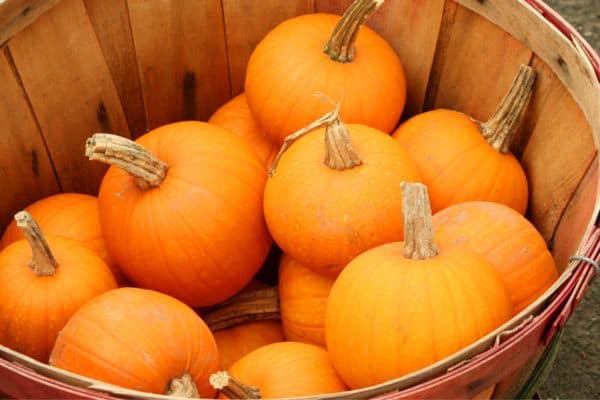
pixel 339 153
pixel 43 262
pixel 500 129
pixel 128 155
pixel 340 46
pixel 183 386
pixel 418 231
pixel 231 387
pixel 245 307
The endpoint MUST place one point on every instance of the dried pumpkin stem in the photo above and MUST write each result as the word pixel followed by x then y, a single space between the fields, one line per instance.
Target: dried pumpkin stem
pixel 233 388
pixel 183 386
pixel 128 155
pixel 340 46
pixel 43 262
pixel 339 153
pixel 245 307
pixel 418 231
pixel 500 129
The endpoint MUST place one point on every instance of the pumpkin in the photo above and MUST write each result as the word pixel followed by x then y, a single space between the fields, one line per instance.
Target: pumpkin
pixel 181 210
pixel 357 67
pixel 235 116
pixel 324 205
pixel 285 369
pixel 425 302
pixel 303 300
pixel 142 340
pixel 504 238
pixel 461 159
pixel 44 280
pixel 70 215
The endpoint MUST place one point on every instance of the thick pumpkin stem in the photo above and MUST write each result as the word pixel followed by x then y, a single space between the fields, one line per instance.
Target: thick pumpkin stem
pixel 43 262
pixel 339 153
pixel 183 386
pixel 128 155
pixel 340 46
pixel 233 388
pixel 418 231
pixel 500 129
pixel 245 307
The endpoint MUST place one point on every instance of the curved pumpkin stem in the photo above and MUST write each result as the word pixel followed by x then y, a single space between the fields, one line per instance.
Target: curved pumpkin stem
pixel 340 46
pixel 500 129
pixel 183 386
pixel 232 388
pixel 418 231
pixel 128 155
pixel 43 262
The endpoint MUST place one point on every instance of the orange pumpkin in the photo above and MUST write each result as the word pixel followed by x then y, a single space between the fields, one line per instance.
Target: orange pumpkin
pixel 139 339
pixel 507 240
pixel 181 210
pixel 357 68
pixel 43 282
pixel 70 215
pixel 461 159
pixel 426 303
pixel 303 300
pixel 324 205
pixel 235 116
pixel 285 369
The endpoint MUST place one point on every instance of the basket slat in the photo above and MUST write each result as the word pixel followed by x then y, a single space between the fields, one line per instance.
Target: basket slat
pixel 181 57
pixel 25 169
pixel 17 14
pixel 110 19
pixel 70 89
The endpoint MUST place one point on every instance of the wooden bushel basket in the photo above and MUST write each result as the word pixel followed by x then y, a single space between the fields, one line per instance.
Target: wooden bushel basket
pixel 69 68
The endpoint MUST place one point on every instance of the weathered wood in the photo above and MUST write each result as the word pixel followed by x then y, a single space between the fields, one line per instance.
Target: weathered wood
pixel 26 172
pixel 17 14
pixel 71 91
pixel 110 19
pixel 182 58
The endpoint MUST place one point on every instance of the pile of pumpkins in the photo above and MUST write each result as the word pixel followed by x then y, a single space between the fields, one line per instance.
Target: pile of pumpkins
pixel 140 287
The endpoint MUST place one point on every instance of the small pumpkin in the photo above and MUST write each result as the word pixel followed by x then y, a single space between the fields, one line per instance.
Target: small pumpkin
pixel 139 339
pixel 235 116
pixel 504 238
pixel 70 215
pixel 461 159
pixel 303 300
pixel 285 369
pixel 324 205
pixel 426 303
pixel 43 282
pixel 181 210
pixel 357 67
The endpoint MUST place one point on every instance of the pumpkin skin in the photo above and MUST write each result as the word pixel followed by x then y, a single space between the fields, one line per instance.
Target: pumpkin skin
pixel 108 339
pixel 33 309
pixel 212 202
pixel 507 240
pixel 288 67
pixel 288 369
pixel 70 215
pixel 303 300
pixel 323 217
pixel 448 146
pixel 235 116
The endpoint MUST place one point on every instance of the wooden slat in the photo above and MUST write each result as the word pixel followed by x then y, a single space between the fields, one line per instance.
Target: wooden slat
pixel 414 39
pixel 26 173
pixel 110 19
pixel 559 150
pixel 182 60
pixel 70 88
pixel 247 22
pixel 17 14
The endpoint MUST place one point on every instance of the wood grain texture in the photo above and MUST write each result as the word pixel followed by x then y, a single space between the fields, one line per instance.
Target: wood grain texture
pixel 247 22
pixel 26 172
pixel 70 88
pixel 182 58
pixel 110 19
pixel 414 39
pixel 17 14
